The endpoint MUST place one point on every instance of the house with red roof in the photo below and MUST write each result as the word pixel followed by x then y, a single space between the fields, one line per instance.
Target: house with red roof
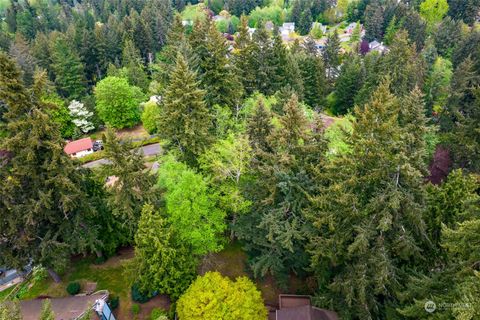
pixel 79 148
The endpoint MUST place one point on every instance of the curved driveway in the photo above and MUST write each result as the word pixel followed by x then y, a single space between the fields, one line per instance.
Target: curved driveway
pixel 148 150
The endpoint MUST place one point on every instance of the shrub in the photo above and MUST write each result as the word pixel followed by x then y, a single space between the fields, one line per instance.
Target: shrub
pixel 73 288
pixel 138 296
pixel 135 309
pixel 158 314
pixel 113 302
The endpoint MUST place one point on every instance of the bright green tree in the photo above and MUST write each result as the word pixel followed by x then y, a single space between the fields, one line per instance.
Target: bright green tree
pixel 184 119
pixel 213 296
pixel 117 102
pixel 161 263
pixel 437 85
pixel 227 161
pixel 191 208
pixel 150 114
pixel 433 11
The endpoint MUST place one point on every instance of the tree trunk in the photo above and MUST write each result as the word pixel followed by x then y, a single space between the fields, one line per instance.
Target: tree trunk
pixel 54 275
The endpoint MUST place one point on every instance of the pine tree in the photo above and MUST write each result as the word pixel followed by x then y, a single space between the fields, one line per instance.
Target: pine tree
pixel 132 62
pixel 461 117
pixel 243 56
pixel 161 263
pixel 261 60
pixel 347 85
pixel 313 77
pixel 44 208
pixel 403 65
pixel 131 186
pixel 283 175
pixel 185 120
pixel 279 62
pixel 217 77
pixel 260 127
pixel 331 56
pixel 373 21
pixel 68 69
pixel 366 222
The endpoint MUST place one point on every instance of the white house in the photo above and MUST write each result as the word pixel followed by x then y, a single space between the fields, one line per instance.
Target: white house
pixel 378 46
pixel 79 148
pixel 287 28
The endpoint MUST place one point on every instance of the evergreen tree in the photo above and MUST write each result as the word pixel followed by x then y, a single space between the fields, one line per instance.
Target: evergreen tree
pixel 243 56
pixel 403 65
pixel 44 208
pixel 161 263
pixel 261 60
pixel 312 71
pixel 130 186
pixel 461 117
pixel 466 10
pixel 217 76
pixel 454 225
pixel 366 223
pixel 373 21
pixel 347 85
pixel 185 120
pixel 132 62
pixel 278 195
pixel 260 127
pixel 68 70
pixel 279 62
pixel 331 57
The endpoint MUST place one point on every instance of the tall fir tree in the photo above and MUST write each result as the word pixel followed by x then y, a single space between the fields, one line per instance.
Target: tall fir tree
pixel 331 57
pixel 44 207
pixel 367 224
pixel 68 69
pixel 274 232
pixel 130 185
pixel 242 56
pixel 185 120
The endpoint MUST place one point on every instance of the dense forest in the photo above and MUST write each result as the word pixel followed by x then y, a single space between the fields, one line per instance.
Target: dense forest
pixel 354 170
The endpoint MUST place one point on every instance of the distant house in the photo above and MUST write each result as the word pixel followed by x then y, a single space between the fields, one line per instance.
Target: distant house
pixel 296 307
pixel 186 23
pixel 79 148
pixel 251 31
pixel 287 28
pixel 349 29
pixel 319 25
pixel 218 18
pixel 377 46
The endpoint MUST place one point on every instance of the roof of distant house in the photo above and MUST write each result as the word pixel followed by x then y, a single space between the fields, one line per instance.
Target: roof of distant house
pixel 78 145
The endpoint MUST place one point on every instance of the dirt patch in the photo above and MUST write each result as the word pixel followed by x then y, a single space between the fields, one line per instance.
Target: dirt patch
pixel 133 133
pixel 125 312
pixel 124 253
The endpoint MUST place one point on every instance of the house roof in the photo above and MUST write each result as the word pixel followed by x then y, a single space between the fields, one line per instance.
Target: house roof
pixel 78 145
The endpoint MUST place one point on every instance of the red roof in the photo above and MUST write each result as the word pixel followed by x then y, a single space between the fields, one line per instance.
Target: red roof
pixel 78 145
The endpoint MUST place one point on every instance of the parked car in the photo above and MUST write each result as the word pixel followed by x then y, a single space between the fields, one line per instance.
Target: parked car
pixel 98 145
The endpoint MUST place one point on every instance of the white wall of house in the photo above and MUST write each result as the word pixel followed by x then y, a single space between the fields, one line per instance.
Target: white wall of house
pixel 82 153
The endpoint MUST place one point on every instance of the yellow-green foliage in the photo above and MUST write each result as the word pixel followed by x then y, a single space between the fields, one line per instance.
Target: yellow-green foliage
pixel 213 296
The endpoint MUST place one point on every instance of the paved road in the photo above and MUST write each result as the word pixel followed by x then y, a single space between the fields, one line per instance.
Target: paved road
pixel 148 150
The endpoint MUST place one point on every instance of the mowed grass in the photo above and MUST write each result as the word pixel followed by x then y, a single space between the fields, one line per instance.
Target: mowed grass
pixel 108 276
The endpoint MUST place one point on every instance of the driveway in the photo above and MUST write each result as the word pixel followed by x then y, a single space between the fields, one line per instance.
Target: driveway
pixel 148 150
